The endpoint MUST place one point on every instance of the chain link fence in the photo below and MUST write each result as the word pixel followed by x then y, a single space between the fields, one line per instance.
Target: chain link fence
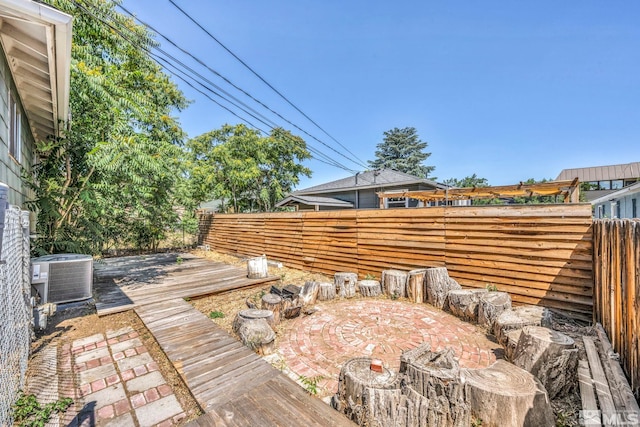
pixel 15 307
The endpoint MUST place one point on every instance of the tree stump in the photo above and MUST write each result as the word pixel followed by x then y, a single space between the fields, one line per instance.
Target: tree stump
pixel 549 355
pixel 440 397
pixel 251 314
pixel 504 395
pixel 394 283
pixel 257 267
pixel 511 342
pixel 367 397
pixel 369 288
pixel 438 284
pixel 518 318
pixel 327 291
pixel 274 303
pixel 345 284
pixel 415 285
pixel 291 312
pixel 463 303
pixel 309 293
pixel 492 304
pixel 258 336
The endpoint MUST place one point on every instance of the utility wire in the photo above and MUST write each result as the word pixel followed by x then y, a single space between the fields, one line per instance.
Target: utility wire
pixel 360 162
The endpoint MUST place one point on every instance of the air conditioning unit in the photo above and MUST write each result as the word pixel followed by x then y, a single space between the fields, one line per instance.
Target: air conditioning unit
pixel 62 278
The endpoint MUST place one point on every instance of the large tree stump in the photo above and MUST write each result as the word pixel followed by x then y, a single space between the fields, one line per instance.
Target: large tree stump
pixel 252 314
pixel 327 291
pixel 438 284
pixel 258 336
pixel 440 397
pixel 463 303
pixel 518 318
pixel 394 283
pixel 492 304
pixel 511 342
pixel 257 267
pixel 367 397
pixel 415 285
pixel 309 293
pixel 369 288
pixel 504 395
pixel 274 303
pixel 549 355
pixel 345 284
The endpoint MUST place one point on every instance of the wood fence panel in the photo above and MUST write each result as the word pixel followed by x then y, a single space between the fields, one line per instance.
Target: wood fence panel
pixel 329 241
pixel 617 290
pixel 283 238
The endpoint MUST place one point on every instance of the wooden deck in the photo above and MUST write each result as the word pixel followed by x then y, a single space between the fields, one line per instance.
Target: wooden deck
pixel 124 283
pixel 231 383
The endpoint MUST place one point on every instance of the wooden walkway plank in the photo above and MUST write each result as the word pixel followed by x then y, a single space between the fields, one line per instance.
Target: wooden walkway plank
pixel 599 378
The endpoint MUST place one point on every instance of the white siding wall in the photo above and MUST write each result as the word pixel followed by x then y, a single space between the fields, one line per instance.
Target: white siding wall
pixel 607 209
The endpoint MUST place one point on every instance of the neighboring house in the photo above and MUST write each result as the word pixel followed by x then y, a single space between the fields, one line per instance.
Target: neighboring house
pixel 359 192
pixel 623 203
pixel 34 86
pixel 599 181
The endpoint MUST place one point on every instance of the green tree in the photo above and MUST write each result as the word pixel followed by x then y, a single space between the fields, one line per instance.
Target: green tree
pixel 111 179
pixel 402 150
pixel 251 171
pixel 467 181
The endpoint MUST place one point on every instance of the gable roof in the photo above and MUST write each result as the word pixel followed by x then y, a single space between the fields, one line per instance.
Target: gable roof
pixel 313 201
pixel 36 39
pixel 602 173
pixel 631 189
pixel 368 179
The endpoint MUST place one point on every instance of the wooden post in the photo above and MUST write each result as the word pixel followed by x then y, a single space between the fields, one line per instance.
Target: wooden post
pixel 309 293
pixel 415 285
pixel 251 314
pixel 274 303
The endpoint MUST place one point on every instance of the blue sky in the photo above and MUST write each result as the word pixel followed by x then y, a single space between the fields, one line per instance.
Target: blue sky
pixel 503 89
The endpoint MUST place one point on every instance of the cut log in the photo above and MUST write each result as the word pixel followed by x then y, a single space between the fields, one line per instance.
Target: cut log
pixel 463 303
pixel 274 303
pixel 291 312
pixel 504 395
pixel 440 395
pixel 511 342
pixel 345 284
pixel 257 267
pixel 327 291
pixel 369 288
pixel 415 285
pixel 250 303
pixel 309 293
pixel 258 336
pixel 251 314
pixel 438 284
pixel 549 355
pixel 492 304
pixel 518 318
pixel 368 397
pixel 394 283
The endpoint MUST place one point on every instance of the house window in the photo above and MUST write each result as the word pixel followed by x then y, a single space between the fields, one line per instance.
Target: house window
pixel 397 202
pixel 616 184
pixel 604 185
pixel 15 130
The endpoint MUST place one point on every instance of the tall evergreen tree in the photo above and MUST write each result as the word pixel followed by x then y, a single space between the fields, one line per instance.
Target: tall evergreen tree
pixel 402 150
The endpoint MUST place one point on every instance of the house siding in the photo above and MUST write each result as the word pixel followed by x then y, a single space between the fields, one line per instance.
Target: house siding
pixel 10 170
pixel 608 209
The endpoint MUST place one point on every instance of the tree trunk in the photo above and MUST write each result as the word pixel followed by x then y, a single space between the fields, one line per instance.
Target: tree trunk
pixel 394 283
pixel 511 342
pixel 309 293
pixel 492 304
pixel 369 288
pixel 274 303
pixel 258 336
pixel 504 395
pixel 327 291
pixel 257 267
pixel 251 314
pixel 439 395
pixel 549 355
pixel 463 303
pixel 345 284
pixel 518 318
pixel 367 397
pixel 415 285
pixel 438 284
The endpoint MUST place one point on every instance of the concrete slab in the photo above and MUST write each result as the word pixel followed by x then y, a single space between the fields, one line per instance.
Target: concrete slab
pixel 124 420
pixel 107 396
pixel 125 345
pixel 131 362
pixel 92 354
pixel 88 340
pixel 160 410
pixel 94 374
pixel 118 332
pixel 145 382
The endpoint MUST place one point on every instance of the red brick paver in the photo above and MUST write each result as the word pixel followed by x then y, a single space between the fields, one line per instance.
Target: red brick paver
pixel 319 344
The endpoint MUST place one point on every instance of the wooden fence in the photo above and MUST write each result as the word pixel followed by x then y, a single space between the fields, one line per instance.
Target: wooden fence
pixel 617 289
pixel 540 254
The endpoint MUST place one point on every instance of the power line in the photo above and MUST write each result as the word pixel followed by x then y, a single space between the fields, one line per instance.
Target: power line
pixel 361 163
